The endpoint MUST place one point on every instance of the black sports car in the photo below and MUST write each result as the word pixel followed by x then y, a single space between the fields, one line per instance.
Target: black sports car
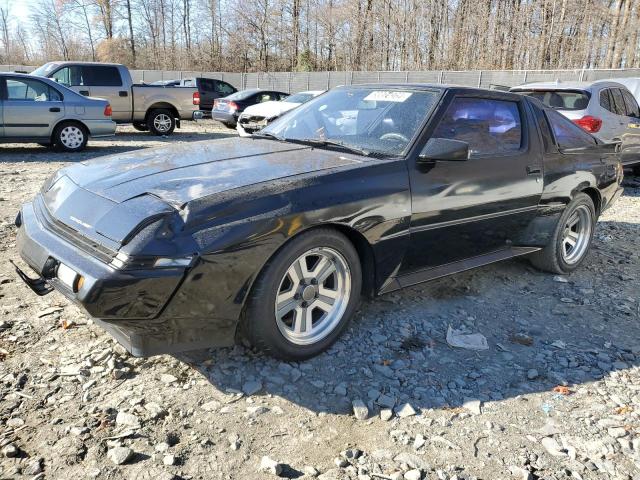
pixel 275 238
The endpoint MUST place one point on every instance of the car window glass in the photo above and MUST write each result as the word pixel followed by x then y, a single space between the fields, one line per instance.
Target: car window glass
pixel 605 100
pixel 560 99
pixel 224 88
pixel 101 76
pixel 63 76
pixel 265 97
pixel 30 90
pixel 618 101
pixel 631 104
pixel 487 125
pixel 566 133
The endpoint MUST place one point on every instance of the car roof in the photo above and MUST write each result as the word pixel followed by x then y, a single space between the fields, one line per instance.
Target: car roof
pixel 441 87
pixel 98 64
pixel 560 85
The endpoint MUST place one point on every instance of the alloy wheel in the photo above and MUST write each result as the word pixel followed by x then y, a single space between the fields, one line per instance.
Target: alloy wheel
pixel 71 137
pixel 162 122
pixel 313 296
pixel 576 235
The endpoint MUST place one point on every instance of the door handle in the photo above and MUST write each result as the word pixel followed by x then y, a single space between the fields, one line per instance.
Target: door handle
pixel 532 170
pixel 123 93
pixel 84 92
pixel 54 109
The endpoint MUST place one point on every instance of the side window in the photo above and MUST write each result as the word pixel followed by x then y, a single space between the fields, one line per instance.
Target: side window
pixel 207 84
pixel 30 91
pixel 69 76
pixel 101 76
pixel 224 88
pixel 488 126
pixel 566 133
pixel 605 100
pixel 63 76
pixel 265 97
pixel 618 100
pixel 631 104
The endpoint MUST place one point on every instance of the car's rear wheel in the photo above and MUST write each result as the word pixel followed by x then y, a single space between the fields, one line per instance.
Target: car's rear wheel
pixel 571 240
pixel 161 122
pixel 304 297
pixel 141 127
pixel 70 137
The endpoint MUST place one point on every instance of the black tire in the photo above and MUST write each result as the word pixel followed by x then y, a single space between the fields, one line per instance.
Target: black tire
pixel 551 258
pixel 229 124
pixel 259 325
pixel 158 117
pixel 70 137
pixel 636 170
pixel 141 127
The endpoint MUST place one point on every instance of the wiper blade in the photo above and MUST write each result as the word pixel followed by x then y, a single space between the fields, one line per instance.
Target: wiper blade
pixel 316 142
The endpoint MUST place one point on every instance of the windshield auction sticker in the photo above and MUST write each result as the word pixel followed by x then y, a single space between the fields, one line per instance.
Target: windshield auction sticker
pixel 387 96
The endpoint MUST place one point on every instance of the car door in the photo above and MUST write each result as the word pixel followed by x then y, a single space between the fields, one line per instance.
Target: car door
pixel 1 107
pixel 610 128
pixel 31 108
pixel 105 81
pixel 463 209
pixel 631 137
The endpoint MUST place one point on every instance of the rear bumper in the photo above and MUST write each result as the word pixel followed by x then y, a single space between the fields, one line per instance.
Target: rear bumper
pixel 101 128
pixel 126 303
pixel 224 117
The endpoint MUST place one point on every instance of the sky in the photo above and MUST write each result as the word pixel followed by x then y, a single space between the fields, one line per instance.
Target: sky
pixel 20 9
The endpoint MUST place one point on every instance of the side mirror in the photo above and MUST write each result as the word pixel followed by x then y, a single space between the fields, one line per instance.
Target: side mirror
pixel 445 149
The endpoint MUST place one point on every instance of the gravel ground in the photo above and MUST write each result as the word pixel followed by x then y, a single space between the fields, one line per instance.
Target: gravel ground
pixel 555 396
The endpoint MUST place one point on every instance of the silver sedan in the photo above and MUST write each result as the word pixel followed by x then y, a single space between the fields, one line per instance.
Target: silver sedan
pixel 42 111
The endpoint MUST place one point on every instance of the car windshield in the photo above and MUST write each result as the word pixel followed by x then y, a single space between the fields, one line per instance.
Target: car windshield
pixel 374 120
pixel 560 99
pixel 45 69
pixel 299 98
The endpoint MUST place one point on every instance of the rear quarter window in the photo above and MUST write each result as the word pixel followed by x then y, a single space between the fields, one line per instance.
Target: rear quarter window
pixel 566 133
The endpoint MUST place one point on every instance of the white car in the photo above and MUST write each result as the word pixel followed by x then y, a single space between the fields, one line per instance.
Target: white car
pixel 258 116
pixel 605 108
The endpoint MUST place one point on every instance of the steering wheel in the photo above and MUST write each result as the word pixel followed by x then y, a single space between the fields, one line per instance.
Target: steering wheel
pixel 394 136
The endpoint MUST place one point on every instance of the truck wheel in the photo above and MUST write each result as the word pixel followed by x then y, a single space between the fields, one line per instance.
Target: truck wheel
pixel 161 121
pixel 305 296
pixel 571 240
pixel 141 127
pixel 70 137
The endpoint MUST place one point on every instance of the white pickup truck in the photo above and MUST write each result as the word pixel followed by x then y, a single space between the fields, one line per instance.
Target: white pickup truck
pixel 158 109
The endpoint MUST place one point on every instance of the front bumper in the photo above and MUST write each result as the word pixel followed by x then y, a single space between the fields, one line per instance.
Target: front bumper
pixel 101 128
pixel 126 303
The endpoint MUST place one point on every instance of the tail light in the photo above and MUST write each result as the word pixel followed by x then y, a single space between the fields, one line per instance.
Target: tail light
pixel 232 106
pixel 215 103
pixel 589 123
pixel 108 111
pixel 196 98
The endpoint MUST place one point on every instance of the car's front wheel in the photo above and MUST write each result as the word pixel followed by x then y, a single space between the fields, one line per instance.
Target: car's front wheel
pixel 70 137
pixel 571 240
pixel 304 297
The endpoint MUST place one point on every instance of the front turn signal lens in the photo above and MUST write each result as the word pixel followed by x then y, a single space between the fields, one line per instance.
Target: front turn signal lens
pixel 173 262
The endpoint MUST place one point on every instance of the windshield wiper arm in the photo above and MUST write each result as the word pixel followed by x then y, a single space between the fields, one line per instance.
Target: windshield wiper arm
pixel 316 142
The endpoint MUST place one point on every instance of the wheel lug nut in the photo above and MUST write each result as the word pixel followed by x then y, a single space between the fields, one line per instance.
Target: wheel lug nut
pixel 304 304
pixel 297 296
pixel 314 281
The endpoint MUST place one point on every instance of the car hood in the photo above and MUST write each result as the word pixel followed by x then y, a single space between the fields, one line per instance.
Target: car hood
pixel 270 109
pixel 180 173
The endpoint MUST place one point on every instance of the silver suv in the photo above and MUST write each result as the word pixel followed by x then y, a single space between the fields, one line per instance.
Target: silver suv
pixel 606 109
